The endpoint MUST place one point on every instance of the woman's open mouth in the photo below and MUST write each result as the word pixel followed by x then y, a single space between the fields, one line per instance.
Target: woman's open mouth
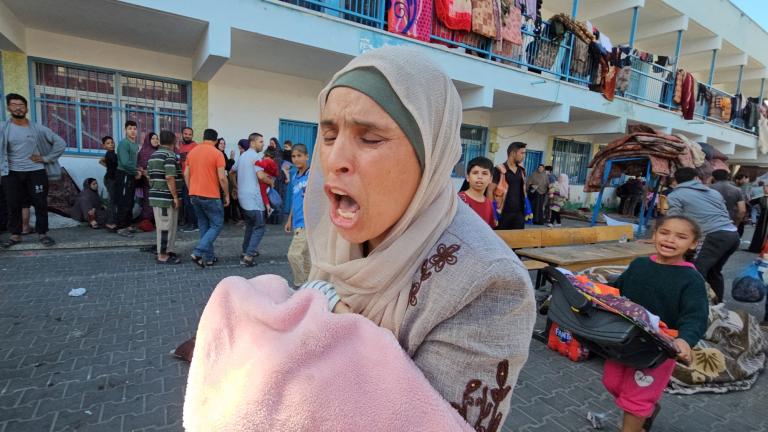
pixel 344 209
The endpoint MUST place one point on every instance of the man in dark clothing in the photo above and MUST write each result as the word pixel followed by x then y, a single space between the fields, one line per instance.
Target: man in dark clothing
pixel 707 207
pixel 734 198
pixel 512 200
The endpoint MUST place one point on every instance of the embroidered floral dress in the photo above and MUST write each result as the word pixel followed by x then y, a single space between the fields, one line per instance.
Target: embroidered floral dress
pixel 469 320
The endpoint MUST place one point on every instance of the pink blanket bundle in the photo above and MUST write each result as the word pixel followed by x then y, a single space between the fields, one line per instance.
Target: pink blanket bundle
pixel 266 360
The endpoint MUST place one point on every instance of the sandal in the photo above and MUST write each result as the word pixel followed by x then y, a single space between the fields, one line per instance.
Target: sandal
pixel 94 225
pixel 171 260
pixel 198 260
pixel 245 262
pixel 47 241
pixel 26 233
pixel 10 243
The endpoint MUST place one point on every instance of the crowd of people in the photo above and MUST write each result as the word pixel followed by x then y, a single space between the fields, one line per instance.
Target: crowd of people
pixel 177 185
pixel 390 241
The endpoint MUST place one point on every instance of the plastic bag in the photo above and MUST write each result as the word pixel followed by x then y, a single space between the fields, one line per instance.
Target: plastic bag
pixel 749 287
pixel 528 212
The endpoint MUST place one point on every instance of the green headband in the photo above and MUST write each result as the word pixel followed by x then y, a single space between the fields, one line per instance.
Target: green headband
pixel 372 83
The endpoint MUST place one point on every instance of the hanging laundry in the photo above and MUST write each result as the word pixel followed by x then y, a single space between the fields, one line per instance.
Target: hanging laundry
pixel 687 99
pixel 483 22
pixel 528 7
pixel 751 114
pixel 725 107
pixel 678 95
pixel 661 61
pixel 455 14
pixel 762 125
pixel 609 85
pixel 497 19
pixel 511 30
pixel 412 18
pixel 736 109
pixel 704 98
pixel 623 77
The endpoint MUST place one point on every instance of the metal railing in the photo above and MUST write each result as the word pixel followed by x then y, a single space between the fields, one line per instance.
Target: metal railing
pixel 368 12
pixel 710 109
pixel 566 59
pixel 538 52
pixel 649 82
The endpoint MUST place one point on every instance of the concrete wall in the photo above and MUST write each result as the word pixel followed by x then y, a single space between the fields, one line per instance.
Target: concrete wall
pixel 243 100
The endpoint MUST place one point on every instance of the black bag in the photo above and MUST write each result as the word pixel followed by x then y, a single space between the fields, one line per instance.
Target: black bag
pixel 606 334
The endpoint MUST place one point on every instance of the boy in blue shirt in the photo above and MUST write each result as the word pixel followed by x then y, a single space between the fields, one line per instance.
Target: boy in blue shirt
pixel 298 252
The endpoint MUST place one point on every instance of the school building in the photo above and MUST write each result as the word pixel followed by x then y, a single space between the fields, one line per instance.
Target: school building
pixel 258 65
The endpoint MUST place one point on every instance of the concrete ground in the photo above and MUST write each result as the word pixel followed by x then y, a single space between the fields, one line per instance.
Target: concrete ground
pixel 100 362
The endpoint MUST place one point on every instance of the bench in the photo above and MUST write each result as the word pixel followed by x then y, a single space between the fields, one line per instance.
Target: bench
pixel 547 237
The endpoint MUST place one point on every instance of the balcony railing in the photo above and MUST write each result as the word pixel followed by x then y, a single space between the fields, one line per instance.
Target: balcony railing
pixel 567 59
pixel 538 52
pixel 712 110
pixel 369 12
pixel 651 83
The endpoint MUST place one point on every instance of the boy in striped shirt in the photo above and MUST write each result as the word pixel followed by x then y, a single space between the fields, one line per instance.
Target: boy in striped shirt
pixel 165 182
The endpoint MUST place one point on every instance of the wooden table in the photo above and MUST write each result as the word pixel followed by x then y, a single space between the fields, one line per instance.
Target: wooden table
pixel 580 257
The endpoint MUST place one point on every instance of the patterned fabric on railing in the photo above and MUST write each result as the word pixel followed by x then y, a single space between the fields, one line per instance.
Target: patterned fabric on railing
pixel 412 18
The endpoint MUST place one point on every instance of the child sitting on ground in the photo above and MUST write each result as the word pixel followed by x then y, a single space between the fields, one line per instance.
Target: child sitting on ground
pixel 667 285
pixel 473 190
pixel 269 166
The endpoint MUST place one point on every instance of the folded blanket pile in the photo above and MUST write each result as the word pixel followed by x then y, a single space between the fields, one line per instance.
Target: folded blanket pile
pixel 667 153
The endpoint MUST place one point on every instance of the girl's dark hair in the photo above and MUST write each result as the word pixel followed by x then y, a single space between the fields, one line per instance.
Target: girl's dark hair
pixel 690 255
pixel 270 152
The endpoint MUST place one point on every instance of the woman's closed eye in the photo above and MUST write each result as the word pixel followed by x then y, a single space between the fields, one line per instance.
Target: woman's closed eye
pixel 367 139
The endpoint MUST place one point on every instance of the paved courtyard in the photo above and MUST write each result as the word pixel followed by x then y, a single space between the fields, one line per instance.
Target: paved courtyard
pixel 100 362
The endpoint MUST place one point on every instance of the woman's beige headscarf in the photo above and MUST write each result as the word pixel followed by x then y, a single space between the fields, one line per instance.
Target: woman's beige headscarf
pixel 377 286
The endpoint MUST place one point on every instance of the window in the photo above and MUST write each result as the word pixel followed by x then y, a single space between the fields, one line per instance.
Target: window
pixel 473 144
pixel 572 158
pixel 82 104
pixel 532 160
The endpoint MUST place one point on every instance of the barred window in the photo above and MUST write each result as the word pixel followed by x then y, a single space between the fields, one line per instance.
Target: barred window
pixel 82 104
pixel 571 158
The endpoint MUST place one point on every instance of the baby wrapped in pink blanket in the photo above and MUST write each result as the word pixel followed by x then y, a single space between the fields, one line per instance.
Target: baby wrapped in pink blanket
pixel 266 360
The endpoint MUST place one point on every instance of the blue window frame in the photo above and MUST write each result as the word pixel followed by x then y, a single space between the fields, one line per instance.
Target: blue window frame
pixel 572 158
pixel 299 132
pixel 474 141
pixel 532 161
pixel 84 103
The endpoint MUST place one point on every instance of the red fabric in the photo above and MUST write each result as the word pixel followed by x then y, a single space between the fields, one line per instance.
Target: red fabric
pixel 483 209
pixel 270 167
pixel 454 14
pixel 412 19
pixel 688 102
pixel 637 390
